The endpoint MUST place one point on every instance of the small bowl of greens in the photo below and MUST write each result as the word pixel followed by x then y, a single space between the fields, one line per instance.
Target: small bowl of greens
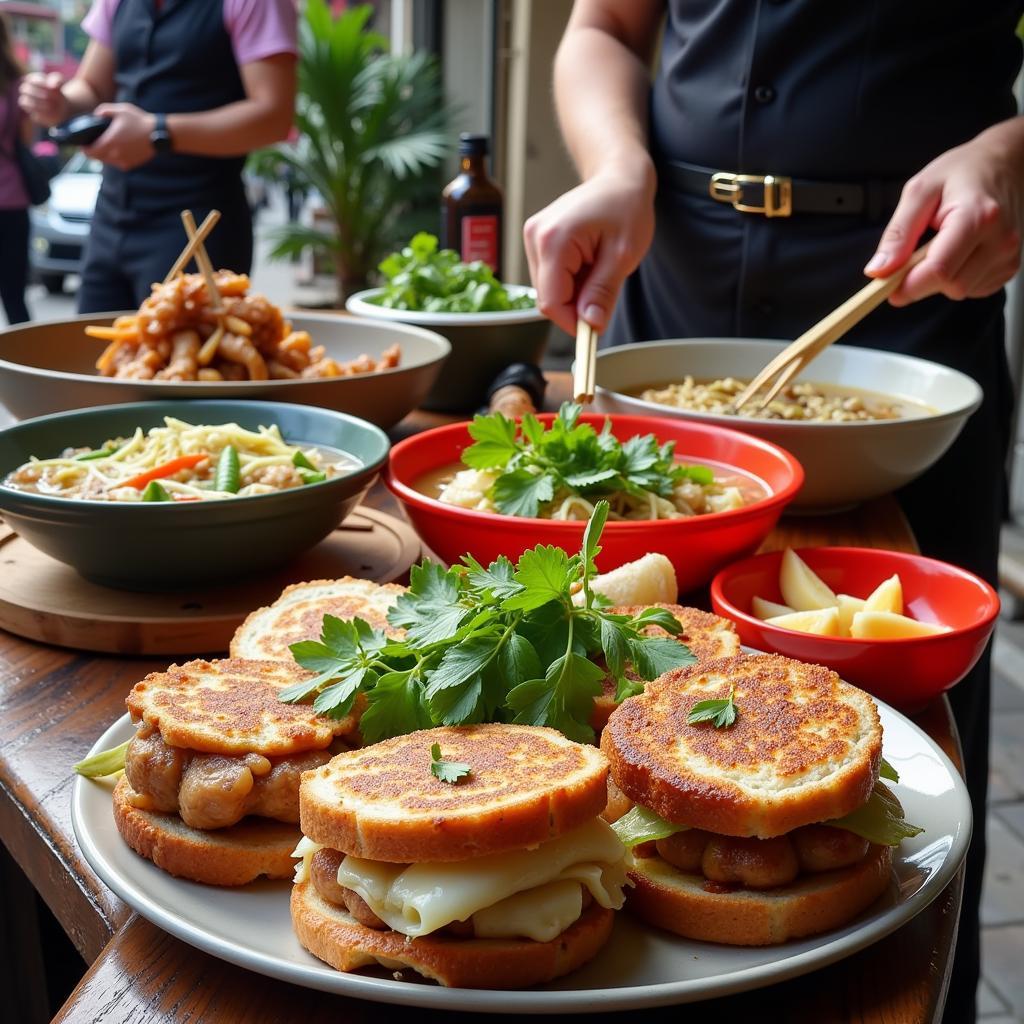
pixel 703 496
pixel 490 324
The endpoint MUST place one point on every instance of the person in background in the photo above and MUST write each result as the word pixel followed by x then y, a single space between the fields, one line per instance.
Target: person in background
pixel 893 120
pixel 13 194
pixel 190 86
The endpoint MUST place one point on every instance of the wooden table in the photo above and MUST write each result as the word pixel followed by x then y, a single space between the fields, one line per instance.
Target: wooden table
pixel 53 705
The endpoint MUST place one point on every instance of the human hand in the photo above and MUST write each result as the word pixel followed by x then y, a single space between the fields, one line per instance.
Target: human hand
pixel 587 242
pixel 125 144
pixel 973 198
pixel 40 96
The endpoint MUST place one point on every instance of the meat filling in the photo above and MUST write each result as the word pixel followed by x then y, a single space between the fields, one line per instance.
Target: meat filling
pixel 730 861
pixel 212 790
pixel 323 872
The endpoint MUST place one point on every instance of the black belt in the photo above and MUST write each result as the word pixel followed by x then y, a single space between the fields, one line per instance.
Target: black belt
pixel 775 195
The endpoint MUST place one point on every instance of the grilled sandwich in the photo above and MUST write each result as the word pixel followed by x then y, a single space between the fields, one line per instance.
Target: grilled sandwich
pixel 501 878
pixel 765 825
pixel 211 784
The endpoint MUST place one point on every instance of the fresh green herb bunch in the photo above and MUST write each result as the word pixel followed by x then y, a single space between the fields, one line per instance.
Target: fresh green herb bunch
pixel 496 644
pixel 424 278
pixel 537 464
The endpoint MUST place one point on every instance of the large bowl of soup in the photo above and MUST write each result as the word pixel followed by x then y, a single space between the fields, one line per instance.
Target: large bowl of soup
pixel 861 422
pixel 134 496
pixel 765 477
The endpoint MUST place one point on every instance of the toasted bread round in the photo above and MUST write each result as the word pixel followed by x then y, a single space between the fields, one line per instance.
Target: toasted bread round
pixel 805 747
pixel 231 707
pixel 708 637
pixel 526 785
pixel 678 902
pixel 254 848
pixel 298 614
pixel 334 936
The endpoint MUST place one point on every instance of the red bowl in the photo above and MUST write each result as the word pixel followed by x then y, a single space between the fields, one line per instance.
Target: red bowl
pixel 697 546
pixel 906 673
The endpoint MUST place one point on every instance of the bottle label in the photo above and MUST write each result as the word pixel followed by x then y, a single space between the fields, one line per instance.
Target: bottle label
pixel 480 239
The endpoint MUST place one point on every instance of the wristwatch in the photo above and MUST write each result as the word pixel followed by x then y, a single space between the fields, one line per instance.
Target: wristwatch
pixel 160 136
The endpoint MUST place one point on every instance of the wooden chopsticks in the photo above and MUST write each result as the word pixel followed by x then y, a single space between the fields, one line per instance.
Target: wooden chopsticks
pixel 794 358
pixel 585 368
pixel 195 240
pixel 202 257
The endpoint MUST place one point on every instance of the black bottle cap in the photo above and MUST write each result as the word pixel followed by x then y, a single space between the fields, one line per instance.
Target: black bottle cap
pixel 474 145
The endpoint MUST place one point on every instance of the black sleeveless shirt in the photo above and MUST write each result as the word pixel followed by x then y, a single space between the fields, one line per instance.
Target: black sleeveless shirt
pixel 173 60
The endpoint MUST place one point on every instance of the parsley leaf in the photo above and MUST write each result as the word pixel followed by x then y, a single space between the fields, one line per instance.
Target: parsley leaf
pixel 544 573
pixel 720 713
pixel 521 493
pixel 446 771
pixel 396 707
pixel 430 611
pixel 886 771
pixel 495 438
pixel 498 577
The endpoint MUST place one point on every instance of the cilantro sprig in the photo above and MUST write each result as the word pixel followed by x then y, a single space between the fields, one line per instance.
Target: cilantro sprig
pixel 501 643
pixel 447 771
pixel 536 464
pixel 720 713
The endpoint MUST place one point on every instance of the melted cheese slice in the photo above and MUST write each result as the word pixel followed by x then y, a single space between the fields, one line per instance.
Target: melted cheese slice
pixel 421 898
pixel 306 849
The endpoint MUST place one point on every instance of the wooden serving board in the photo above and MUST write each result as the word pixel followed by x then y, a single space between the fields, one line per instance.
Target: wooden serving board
pixel 46 600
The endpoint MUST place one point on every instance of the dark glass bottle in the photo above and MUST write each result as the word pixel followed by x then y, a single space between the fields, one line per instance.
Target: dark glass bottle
pixel 471 207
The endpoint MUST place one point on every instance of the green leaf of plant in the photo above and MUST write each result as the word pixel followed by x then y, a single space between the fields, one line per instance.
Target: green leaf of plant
pixel 658 617
pixel 886 771
pixel 429 611
pixel 652 656
pixel 879 821
pixel 396 707
pixel 447 771
pixel 592 534
pixel 517 661
pixel 457 705
pixel 336 700
pixel 521 493
pixel 461 662
pixel 317 657
pixel 614 643
pixel 495 438
pixel 498 578
pixel 544 572
pixel 720 713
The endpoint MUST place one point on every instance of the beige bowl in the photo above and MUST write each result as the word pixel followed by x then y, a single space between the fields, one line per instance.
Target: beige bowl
pixel 50 367
pixel 845 463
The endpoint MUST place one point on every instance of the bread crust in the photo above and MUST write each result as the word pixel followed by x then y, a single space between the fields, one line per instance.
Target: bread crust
pixel 527 785
pixel 299 612
pixel 237 855
pixel 805 748
pixel 708 637
pixel 814 903
pixel 231 706
pixel 334 936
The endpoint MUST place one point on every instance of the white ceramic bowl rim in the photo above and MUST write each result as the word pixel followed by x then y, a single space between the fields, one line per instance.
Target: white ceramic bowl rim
pixel 360 305
pixel 441 344
pixel 972 393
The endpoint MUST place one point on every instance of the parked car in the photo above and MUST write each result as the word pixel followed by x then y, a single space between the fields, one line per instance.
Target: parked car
pixel 61 225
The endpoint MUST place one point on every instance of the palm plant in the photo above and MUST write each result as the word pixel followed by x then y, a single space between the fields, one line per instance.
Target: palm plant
pixel 372 127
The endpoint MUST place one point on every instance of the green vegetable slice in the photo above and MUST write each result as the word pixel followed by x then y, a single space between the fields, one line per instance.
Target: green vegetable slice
pixel 886 771
pixel 299 460
pixel 642 825
pixel 879 821
pixel 312 476
pixel 102 453
pixel 155 491
pixel 228 475
pixel 106 762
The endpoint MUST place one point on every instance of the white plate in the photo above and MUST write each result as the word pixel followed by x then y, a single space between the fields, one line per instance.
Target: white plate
pixel 639 967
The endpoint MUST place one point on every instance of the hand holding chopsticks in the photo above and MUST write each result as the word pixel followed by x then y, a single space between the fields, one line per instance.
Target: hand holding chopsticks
pixel 585 368
pixel 794 358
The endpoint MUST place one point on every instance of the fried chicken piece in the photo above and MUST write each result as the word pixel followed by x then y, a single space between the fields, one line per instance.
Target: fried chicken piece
pixel 237 349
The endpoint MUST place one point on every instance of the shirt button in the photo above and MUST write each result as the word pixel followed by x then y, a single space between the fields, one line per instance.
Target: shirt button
pixel 764 94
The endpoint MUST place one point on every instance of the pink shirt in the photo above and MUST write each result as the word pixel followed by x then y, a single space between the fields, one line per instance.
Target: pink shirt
pixel 258 28
pixel 12 189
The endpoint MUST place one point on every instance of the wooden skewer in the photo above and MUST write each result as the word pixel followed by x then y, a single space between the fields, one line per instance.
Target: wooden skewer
pixel 203 259
pixel 794 358
pixel 193 243
pixel 585 368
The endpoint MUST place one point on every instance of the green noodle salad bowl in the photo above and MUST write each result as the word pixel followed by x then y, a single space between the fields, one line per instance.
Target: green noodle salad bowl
pixel 169 546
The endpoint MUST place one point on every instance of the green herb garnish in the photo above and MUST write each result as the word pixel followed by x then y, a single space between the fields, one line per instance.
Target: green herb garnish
pixel 536 464
pixel 886 771
pixel 495 644
pixel 425 278
pixel 311 476
pixel 720 713
pixel 879 821
pixel 447 771
pixel 106 762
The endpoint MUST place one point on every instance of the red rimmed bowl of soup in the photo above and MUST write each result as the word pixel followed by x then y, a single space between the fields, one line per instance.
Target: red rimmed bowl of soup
pixel 703 496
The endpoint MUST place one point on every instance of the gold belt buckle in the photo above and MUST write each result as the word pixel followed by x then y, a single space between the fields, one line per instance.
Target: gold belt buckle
pixel 778 192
